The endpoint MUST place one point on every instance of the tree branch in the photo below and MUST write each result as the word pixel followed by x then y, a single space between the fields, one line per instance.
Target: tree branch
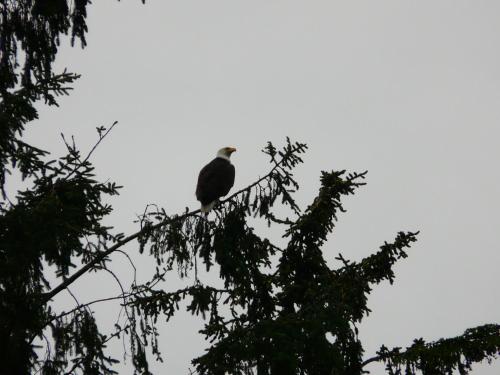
pixel 70 280
pixel 84 305
pixel 443 355
pixel 373 359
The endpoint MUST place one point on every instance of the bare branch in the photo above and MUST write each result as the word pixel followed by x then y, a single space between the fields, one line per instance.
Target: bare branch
pixel 85 305
pixel 101 137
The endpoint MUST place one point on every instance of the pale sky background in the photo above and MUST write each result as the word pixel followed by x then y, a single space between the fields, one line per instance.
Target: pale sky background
pixel 408 90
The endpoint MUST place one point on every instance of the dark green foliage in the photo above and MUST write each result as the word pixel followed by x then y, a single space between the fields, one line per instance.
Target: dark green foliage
pixel 274 318
pixel 35 27
pixel 80 336
pixel 278 311
pixel 16 110
pixel 54 222
pixel 445 355
pixel 30 32
pixel 57 218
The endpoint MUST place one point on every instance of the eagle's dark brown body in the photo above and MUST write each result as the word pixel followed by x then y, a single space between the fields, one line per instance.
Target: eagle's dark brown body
pixel 214 181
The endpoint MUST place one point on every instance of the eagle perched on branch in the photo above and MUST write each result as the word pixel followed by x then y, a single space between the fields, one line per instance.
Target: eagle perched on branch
pixel 215 179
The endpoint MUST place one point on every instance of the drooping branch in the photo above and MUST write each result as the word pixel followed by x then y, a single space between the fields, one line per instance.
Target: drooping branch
pixel 284 161
pixel 99 258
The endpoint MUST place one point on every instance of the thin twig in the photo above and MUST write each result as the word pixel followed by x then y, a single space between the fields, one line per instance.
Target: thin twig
pixel 116 333
pixel 101 137
pixel 73 368
pixel 131 263
pixel 79 307
pixel 73 296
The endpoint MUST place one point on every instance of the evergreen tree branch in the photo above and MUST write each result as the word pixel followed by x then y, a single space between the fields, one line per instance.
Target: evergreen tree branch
pixel 443 356
pixel 378 267
pixel 103 255
pixel 100 257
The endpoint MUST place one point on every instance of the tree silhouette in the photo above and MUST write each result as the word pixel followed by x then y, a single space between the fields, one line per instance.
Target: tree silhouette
pixel 279 311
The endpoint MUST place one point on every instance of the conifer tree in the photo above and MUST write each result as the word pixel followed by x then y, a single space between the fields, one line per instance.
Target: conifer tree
pixel 276 306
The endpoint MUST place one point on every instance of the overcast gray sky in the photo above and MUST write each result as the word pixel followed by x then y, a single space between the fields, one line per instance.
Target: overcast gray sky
pixel 408 90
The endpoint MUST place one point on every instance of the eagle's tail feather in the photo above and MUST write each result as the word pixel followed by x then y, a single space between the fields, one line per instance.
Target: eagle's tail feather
pixel 206 208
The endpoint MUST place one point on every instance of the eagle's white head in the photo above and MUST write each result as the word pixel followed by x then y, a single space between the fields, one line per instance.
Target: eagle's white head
pixel 225 152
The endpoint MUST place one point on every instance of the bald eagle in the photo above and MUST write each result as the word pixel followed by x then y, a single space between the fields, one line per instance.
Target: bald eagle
pixel 215 179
